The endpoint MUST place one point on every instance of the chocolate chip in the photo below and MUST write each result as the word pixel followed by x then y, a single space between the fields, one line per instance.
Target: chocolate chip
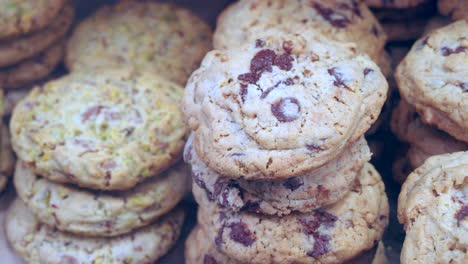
pixel 463 86
pixel 311 227
pixel 446 51
pixel 284 62
pixel 249 77
pixel 293 183
pixel 243 92
pixel 198 180
pixel 339 82
pixel 461 214
pixel 241 234
pixel 314 147
pixel 336 19
pixel 321 246
pixel 263 61
pixel 286 109
pixel 367 71
pixel 208 259
pixel 259 43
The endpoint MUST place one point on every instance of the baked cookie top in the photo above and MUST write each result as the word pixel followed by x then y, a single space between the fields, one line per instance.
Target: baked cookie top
pixel 433 78
pixel 107 129
pixel 39 243
pixel 156 37
pixel 98 213
pixel 433 207
pixel 340 20
pixel 18 17
pixel 333 234
pixel 281 105
pixel 320 187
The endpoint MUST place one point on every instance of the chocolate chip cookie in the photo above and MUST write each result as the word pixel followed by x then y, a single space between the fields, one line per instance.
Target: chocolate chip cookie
pixel 433 207
pixel 106 130
pixel 281 105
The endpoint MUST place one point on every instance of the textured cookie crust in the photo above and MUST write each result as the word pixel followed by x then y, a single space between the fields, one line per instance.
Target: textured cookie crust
pixel 33 69
pixel 340 20
pixel 156 37
pixel 332 234
pixel 433 78
pixel 281 105
pixel 28 46
pixel 318 188
pixel 38 243
pixel 433 207
pixel 87 128
pixel 456 9
pixel 7 158
pixel 19 17
pixel 91 213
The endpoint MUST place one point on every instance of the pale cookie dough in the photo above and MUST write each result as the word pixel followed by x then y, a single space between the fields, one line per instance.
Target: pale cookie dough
pixel 333 234
pixel 433 78
pixel 106 129
pixel 38 243
pixel 93 213
pixel 433 207
pixel 281 105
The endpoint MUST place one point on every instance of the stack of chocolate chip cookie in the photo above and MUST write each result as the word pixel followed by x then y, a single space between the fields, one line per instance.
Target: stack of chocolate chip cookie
pixel 32 39
pixel 433 83
pixel 279 162
pixel 97 176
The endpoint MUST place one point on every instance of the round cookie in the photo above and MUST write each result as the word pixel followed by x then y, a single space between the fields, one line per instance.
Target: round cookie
pixel 394 3
pixel 433 207
pixel 26 47
pixel 433 78
pixel 282 105
pixel 456 9
pixel 33 69
pixel 333 234
pixel 340 20
pixel 7 158
pixel 156 37
pixel 106 130
pixel 38 243
pixel 23 17
pixel 92 213
pixel 323 186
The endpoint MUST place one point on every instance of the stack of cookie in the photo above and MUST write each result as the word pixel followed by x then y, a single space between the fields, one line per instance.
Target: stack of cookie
pixel 433 83
pixel 279 162
pixel 32 39
pixel 95 178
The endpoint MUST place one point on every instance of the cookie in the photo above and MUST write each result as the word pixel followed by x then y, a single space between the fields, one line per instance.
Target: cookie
pixel 92 213
pixel 433 78
pixel 12 98
pixel 7 158
pixel 38 243
pixel 23 17
pixel 433 207
pixel 333 234
pixel 25 47
pixel 394 3
pixel 323 186
pixel 456 9
pixel 282 105
pixel 340 20
pixel 424 141
pixel 156 37
pixel 200 250
pixel 106 130
pixel 33 69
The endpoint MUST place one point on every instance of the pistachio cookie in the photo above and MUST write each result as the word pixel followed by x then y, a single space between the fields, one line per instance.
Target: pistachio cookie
pixel 38 243
pixel 333 234
pixel 33 69
pixel 433 78
pixel 106 130
pixel 323 186
pixel 28 46
pixel 281 105
pixel 340 20
pixel 19 17
pixel 433 207
pixel 456 9
pixel 156 37
pixel 91 213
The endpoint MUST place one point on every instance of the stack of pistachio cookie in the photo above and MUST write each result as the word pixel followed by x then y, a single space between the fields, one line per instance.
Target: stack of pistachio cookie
pixel 97 177
pixel 279 161
pixel 32 39
pixel 433 83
